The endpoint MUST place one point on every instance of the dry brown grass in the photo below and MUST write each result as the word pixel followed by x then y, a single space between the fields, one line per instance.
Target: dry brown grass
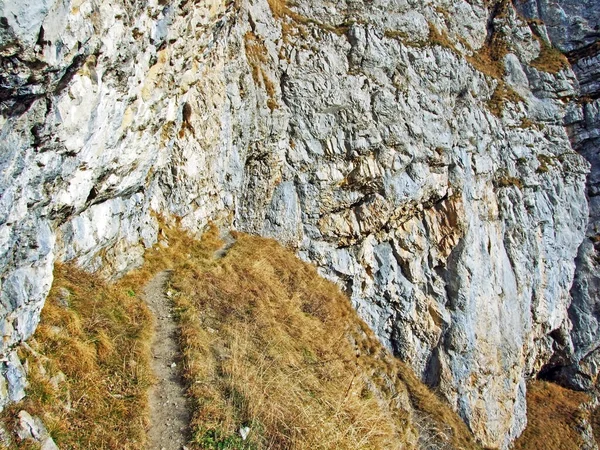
pixel 504 180
pixel 256 53
pixel 595 422
pixel 264 350
pixel 553 414
pixel 489 60
pixel 526 122
pixel 282 10
pixel 501 96
pixel 267 344
pixel 100 342
pixel 279 8
pixel 270 345
pixel 441 38
pixel 550 59
pixel 545 162
pixel 395 34
pixel 435 37
pixel 258 58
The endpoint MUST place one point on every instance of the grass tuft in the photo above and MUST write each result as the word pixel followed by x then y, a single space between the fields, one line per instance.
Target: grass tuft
pixel 550 59
pixel 502 95
pixel 282 10
pixel 441 38
pixel 258 58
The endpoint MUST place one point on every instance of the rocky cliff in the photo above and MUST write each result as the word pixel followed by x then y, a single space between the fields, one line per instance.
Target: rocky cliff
pixel 574 27
pixel 414 150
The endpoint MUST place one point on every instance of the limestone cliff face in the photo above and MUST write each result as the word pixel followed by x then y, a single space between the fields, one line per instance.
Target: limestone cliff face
pixel 380 139
pixel 574 27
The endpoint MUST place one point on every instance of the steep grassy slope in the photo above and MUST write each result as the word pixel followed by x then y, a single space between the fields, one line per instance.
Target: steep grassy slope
pixel 88 365
pixel 271 346
pixel 268 345
pixel 555 418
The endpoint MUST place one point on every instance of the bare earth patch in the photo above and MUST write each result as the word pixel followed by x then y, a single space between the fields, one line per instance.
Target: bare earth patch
pixel 169 414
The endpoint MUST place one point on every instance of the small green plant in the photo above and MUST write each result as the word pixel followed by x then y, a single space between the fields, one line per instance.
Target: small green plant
pixel 218 440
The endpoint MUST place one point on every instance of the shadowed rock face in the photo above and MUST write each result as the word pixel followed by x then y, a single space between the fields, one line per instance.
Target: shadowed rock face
pixel 574 27
pixel 357 132
pixel 571 24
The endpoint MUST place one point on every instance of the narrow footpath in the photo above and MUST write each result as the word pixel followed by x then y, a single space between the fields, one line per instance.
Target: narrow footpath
pixel 169 412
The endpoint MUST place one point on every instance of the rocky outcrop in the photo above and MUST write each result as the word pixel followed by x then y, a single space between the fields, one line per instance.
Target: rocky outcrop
pixel 409 149
pixel 30 427
pixel 574 27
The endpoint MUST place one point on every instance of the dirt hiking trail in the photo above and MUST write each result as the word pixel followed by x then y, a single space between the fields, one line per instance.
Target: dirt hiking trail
pixel 169 412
